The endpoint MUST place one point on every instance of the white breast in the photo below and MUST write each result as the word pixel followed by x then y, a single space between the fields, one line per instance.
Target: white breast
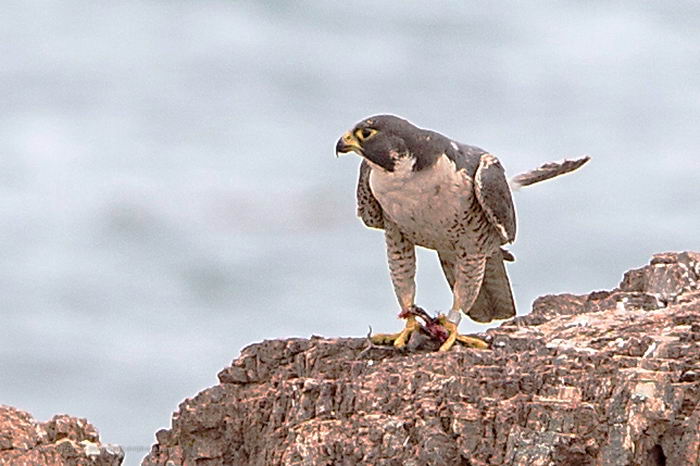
pixel 425 204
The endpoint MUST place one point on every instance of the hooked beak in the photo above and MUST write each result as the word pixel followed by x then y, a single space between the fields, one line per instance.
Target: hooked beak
pixel 347 143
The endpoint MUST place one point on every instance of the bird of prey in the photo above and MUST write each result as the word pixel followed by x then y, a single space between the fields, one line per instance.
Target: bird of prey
pixel 425 189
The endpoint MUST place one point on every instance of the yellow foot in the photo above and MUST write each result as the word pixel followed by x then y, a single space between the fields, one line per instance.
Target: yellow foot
pixel 400 339
pixel 453 336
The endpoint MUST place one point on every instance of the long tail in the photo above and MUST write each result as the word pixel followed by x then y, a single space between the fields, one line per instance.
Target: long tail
pixel 546 171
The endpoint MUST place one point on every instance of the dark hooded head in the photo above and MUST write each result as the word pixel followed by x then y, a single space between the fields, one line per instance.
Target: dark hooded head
pixel 385 139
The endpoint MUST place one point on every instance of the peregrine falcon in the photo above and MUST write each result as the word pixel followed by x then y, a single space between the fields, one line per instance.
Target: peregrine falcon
pixel 425 189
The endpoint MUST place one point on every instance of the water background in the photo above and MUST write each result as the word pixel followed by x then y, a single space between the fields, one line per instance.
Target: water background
pixel 169 191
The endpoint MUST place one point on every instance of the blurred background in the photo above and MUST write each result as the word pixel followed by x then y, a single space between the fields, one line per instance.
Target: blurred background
pixel 169 192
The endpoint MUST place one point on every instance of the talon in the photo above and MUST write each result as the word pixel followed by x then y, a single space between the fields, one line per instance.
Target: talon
pixel 398 339
pixel 454 336
pixel 472 342
pixel 451 337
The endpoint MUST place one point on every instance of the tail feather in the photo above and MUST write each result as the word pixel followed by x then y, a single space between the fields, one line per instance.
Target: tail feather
pixel 546 172
pixel 495 299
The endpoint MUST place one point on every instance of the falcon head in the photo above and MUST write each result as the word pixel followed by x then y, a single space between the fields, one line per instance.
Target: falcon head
pixel 383 140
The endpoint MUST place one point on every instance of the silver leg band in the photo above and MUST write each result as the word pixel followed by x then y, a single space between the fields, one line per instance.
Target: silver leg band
pixel 454 316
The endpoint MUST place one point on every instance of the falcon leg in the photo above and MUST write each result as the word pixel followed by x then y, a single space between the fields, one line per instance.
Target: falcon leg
pixel 468 276
pixel 402 268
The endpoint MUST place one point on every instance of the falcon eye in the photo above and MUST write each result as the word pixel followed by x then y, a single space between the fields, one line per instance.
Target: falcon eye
pixel 365 133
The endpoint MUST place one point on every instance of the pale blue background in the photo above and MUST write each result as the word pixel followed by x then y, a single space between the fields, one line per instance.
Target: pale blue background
pixel 169 192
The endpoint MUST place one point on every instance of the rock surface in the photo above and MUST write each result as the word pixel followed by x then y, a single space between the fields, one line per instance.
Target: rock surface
pixel 609 378
pixel 64 440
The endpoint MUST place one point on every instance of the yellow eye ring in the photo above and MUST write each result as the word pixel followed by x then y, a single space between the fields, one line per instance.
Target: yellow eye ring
pixel 363 134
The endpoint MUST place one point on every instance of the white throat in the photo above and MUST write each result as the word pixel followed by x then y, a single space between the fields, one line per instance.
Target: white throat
pixel 403 168
pixel 412 183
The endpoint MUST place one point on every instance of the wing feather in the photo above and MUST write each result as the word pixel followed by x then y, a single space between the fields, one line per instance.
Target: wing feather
pixel 493 194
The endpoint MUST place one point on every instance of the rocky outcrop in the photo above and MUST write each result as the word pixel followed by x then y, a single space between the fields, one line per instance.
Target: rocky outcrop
pixel 608 378
pixel 64 440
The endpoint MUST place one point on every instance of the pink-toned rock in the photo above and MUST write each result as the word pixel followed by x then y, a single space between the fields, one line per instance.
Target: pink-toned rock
pixel 64 440
pixel 609 378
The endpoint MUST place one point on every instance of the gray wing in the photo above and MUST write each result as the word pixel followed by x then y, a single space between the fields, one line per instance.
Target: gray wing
pixel 493 194
pixel 465 157
pixel 368 208
pixel 491 186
